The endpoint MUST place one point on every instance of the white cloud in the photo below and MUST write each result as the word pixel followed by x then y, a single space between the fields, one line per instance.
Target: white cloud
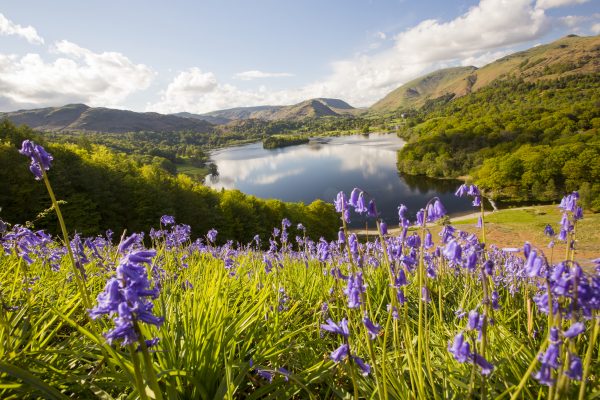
pixel 7 28
pixel 381 35
pixel 595 29
pixel 546 4
pixel 484 33
pixel 573 21
pixel 484 59
pixel 196 91
pixel 75 75
pixel 249 75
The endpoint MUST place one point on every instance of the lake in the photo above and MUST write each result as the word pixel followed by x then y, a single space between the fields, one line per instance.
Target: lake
pixel 323 167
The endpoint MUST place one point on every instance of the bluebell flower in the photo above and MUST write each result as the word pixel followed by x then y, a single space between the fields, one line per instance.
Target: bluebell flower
pixel 354 195
pixel 361 207
pixel 485 365
pixel 460 348
pixel 435 211
pixel 127 297
pixel 341 329
pixel 384 228
pixel 212 235
pixel 372 328
pixel 364 367
pixel 575 370
pixel 340 353
pixel 574 330
pixel 452 251
pixel 340 202
pixel 167 220
pixel 372 209
pixel 40 159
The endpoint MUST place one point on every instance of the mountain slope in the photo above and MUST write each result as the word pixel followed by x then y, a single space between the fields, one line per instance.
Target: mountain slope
pixel 431 86
pixel 571 55
pixel 79 117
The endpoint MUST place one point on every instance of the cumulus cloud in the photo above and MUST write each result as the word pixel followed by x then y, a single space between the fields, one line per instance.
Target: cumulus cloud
pixel 546 4
pixel 595 29
pixel 7 28
pixel 196 91
pixel 250 75
pixel 76 74
pixel 482 34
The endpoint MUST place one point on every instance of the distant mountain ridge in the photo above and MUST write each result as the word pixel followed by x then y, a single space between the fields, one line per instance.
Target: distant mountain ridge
pixel 569 55
pixel 80 117
pixel 313 108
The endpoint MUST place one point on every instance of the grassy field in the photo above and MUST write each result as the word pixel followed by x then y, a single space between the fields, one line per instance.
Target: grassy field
pixel 514 227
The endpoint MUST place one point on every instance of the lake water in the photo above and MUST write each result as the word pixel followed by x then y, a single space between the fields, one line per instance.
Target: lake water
pixel 323 167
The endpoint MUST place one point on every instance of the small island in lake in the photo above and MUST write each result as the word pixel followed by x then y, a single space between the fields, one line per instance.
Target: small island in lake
pixel 276 141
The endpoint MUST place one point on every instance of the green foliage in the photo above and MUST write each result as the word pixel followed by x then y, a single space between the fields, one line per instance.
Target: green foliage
pixel 104 189
pixel 276 141
pixel 520 141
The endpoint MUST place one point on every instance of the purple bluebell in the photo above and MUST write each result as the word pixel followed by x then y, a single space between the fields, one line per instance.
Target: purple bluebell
pixel 340 353
pixel 354 195
pixel 435 211
pixel 341 329
pixel 361 207
pixel 354 289
pixel 167 220
pixel 420 217
pixel 425 294
pixel 363 366
pixel 475 321
pixel 400 296
pixel 574 330
pixel 383 227
pixel 452 251
pixel 372 209
pixel 40 159
pixel 460 348
pixel 126 297
pixel 402 210
pixel 548 231
pixel 495 300
pixel 461 191
pixel 488 267
pixel 212 235
pixel 341 236
pixel 575 370
pixel 340 202
pixel 533 265
pixel 485 365
pixel 428 240
pixel 372 328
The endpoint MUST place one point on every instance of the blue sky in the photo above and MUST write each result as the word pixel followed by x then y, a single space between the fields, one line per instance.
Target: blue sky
pixel 199 56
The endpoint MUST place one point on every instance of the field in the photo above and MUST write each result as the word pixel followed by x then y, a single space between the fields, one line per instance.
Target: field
pixel 418 314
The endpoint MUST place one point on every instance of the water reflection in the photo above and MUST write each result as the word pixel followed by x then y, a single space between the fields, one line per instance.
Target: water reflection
pixel 323 167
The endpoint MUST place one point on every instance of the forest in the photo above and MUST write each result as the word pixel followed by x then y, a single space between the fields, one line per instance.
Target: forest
pixel 103 189
pixel 519 141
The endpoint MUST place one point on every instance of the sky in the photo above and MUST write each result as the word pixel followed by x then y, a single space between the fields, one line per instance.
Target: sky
pixel 199 56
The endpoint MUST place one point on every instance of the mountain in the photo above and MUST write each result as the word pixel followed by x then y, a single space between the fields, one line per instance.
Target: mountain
pixel 313 108
pixel 570 55
pixel 430 86
pixel 79 117
pixel 208 118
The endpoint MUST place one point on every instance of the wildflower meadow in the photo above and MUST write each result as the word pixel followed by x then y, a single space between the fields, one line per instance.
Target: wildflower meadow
pixel 162 315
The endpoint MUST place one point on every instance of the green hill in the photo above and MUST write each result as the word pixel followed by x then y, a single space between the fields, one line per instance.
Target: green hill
pixel 571 55
pixel 431 86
